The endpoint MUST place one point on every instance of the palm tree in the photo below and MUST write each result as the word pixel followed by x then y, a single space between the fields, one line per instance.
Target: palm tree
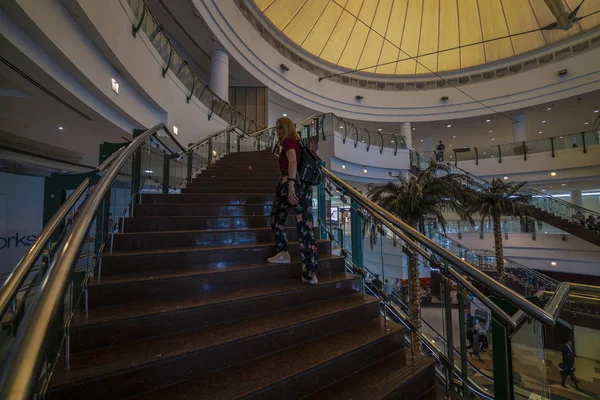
pixel 414 199
pixel 492 202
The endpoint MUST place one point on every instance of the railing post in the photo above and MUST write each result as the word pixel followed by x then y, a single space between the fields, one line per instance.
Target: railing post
pixel 463 338
pixel 239 145
pixel 322 210
pixel 525 151
pixel 166 68
pixel 228 142
pixel 136 28
pixel 166 172
pixel 499 155
pixel 583 140
pixel 357 235
pixel 448 309
pixel 552 145
pixel 190 167
pixel 455 158
pixel 210 153
pixel 476 156
pixel 502 361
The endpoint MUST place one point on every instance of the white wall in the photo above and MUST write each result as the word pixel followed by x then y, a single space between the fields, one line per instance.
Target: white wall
pixel 21 209
pixel 573 256
pixel 144 96
pixel 539 85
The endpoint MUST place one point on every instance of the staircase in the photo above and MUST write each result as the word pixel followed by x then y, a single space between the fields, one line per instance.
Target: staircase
pixel 186 307
pixel 563 224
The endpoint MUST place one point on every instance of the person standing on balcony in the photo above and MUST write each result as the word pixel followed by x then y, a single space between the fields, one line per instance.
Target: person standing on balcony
pixel 292 195
pixel 568 365
pixel 439 152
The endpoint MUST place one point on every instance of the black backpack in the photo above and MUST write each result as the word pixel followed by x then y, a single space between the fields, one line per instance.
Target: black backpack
pixel 309 168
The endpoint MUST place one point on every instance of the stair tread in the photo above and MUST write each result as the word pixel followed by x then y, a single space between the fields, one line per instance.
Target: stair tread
pixel 213 268
pixel 195 248
pixel 376 381
pixel 107 314
pixel 200 231
pixel 115 358
pixel 242 379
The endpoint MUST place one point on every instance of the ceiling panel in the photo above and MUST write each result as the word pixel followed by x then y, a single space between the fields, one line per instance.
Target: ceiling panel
pixel 442 35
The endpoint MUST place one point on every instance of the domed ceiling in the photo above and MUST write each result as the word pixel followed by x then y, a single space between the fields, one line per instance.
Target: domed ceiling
pixel 381 36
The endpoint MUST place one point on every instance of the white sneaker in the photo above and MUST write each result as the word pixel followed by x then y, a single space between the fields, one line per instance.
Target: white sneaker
pixel 313 279
pixel 283 257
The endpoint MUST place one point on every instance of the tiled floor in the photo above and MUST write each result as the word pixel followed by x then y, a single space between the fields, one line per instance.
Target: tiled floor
pixel 535 379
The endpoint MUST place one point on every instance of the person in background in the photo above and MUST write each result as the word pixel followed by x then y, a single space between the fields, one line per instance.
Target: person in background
pixel 293 195
pixel 377 282
pixel 439 152
pixel 591 222
pixel 568 365
pixel 482 333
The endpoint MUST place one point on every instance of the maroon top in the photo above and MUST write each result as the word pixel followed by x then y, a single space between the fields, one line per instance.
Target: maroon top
pixel 286 145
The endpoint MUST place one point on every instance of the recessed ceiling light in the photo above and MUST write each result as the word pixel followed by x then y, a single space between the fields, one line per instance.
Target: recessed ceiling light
pixel 343 166
pixel 597 111
pixel 543 122
pixel 484 153
pixel 552 173
pixel 506 178
pixel 448 126
pixel 564 184
pixel 549 108
pixel 560 137
pixel 284 114
pixel 365 171
pixel 421 140
pixel 540 132
pixel 341 127
pixel 416 128
pixel 453 137
pixel 493 140
pixel 587 123
pixel 60 128
pixel 362 141
pixel 393 141
pixel 148 171
pixel 553 264
pixel 175 130
pixel 488 120
pixel 492 156
pixel 491 131
pixel 450 156
pixel 450 145
pixel 379 130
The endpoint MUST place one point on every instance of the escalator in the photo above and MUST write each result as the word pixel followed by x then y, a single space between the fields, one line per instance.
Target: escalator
pixel 551 210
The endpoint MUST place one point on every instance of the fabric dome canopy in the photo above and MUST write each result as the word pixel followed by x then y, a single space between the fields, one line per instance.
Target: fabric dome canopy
pixel 443 35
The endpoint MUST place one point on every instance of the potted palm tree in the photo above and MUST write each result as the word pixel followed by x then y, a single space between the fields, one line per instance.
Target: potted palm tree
pixel 494 201
pixel 415 199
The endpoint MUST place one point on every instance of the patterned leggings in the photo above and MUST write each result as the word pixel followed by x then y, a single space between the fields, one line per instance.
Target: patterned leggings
pixel 304 223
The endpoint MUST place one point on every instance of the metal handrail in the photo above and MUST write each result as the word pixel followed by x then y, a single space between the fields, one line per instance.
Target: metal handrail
pixel 19 375
pixel 194 146
pixel 24 267
pixel 547 316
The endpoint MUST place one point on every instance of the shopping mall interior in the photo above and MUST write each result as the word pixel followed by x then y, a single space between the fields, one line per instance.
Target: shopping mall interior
pixel 446 159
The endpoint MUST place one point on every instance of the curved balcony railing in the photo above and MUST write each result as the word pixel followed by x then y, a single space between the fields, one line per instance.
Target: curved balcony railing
pixel 172 60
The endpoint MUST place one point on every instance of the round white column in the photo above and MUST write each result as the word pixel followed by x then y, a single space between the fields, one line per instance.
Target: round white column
pixel 518 128
pixel 406 131
pixel 219 74
pixel 577 198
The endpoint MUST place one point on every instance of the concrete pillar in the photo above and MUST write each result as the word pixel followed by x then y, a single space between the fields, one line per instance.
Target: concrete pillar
pixel 576 198
pixel 406 131
pixel 428 146
pixel 518 128
pixel 219 73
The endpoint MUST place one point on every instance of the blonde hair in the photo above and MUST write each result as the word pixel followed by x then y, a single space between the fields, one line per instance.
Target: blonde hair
pixel 289 129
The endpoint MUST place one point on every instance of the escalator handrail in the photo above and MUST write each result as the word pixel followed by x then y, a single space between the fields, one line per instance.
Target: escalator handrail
pixel 24 361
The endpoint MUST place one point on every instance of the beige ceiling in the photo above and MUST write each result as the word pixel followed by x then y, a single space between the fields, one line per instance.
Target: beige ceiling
pixel 442 35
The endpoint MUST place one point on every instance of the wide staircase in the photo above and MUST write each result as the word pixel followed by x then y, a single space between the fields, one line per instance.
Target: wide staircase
pixel 186 307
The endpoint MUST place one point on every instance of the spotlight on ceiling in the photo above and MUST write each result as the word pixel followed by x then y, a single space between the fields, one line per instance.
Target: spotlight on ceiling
pixel 562 72
pixel 284 67
pixel 359 97
pixel 488 120
pixel 506 178
pixel 284 114
pixel 448 126
pixel 60 128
